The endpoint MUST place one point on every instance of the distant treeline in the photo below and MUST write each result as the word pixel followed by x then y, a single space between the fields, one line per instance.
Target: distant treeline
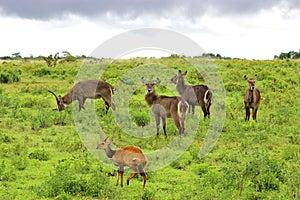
pixel 288 55
pixel 69 58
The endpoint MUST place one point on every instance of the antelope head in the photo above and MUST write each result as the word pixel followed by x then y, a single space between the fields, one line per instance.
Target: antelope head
pixel 150 85
pixel 60 104
pixel 104 144
pixel 251 82
pixel 178 77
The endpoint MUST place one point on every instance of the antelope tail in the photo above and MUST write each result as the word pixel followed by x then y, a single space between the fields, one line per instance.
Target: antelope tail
pixel 183 108
pixel 208 98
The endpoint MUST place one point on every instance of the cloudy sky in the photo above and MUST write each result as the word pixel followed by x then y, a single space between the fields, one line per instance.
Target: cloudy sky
pixel 237 28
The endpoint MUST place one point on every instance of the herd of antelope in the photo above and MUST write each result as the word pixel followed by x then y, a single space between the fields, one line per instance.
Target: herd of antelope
pixel 163 107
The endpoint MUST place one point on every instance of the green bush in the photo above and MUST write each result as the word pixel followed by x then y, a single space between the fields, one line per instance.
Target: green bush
pixel 66 180
pixel 10 76
pixel 20 162
pixel 7 172
pixel 41 72
pixel 141 118
pixel 41 120
pixel 6 139
pixel 182 162
pixel 40 155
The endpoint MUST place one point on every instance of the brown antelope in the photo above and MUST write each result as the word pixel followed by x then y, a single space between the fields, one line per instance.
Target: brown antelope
pixel 195 95
pixel 90 89
pixel 166 107
pixel 130 156
pixel 252 98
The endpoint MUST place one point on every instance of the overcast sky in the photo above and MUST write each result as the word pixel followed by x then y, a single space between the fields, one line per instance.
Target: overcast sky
pixel 236 28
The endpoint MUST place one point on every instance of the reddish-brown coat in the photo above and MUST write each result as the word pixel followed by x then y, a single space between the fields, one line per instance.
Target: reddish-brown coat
pixel 130 156
pixel 166 107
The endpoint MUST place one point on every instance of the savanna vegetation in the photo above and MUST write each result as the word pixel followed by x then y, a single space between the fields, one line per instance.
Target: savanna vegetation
pixel 43 157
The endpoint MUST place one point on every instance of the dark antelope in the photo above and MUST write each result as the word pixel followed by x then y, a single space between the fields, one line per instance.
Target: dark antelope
pixel 130 156
pixel 90 89
pixel 166 107
pixel 195 95
pixel 252 98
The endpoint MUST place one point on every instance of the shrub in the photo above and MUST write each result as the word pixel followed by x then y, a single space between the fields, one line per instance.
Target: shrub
pixel 41 120
pixel 182 162
pixel 40 155
pixel 7 173
pixel 6 139
pixel 66 180
pixel 265 172
pixel 10 76
pixel 141 118
pixel 41 72
pixel 20 162
pixel 147 195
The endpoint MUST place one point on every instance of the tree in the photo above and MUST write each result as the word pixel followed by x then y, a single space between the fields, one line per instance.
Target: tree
pixel 51 61
pixel 16 55
pixel 288 55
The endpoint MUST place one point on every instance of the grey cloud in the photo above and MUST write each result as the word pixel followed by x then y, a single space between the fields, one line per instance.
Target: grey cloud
pixel 45 9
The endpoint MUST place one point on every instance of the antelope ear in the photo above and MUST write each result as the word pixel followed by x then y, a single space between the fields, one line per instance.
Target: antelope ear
pixel 184 73
pixel 143 80
pixel 110 141
pixel 156 81
pixel 59 98
pixel 246 78
pixel 254 77
pixel 179 71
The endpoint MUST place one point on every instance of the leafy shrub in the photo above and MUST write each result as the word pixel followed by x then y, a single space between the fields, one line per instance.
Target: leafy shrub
pixel 265 172
pixel 7 173
pixel 10 76
pixel 147 195
pixel 182 162
pixel 40 155
pixel 141 118
pixel 41 72
pixel 66 180
pixel 201 169
pixel 20 162
pixel 6 139
pixel 41 120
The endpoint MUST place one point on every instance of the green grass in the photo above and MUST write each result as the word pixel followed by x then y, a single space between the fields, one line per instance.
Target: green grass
pixel 43 157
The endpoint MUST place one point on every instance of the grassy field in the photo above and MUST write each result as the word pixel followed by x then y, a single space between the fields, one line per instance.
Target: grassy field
pixel 43 157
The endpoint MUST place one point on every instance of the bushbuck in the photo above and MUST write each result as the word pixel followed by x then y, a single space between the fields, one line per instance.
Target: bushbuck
pixel 130 156
pixel 89 89
pixel 252 98
pixel 195 95
pixel 166 107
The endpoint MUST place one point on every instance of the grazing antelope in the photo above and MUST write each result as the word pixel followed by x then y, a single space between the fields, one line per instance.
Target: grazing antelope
pixel 195 95
pixel 166 107
pixel 130 156
pixel 252 98
pixel 90 89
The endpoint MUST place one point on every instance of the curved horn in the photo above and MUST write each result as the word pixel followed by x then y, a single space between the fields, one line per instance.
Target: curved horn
pixel 105 139
pixel 53 94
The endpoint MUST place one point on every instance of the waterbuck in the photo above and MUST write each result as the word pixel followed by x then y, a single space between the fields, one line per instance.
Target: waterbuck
pixel 89 89
pixel 166 107
pixel 252 98
pixel 130 156
pixel 195 95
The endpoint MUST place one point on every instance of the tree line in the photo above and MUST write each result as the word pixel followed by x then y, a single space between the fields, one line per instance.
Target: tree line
pixel 288 55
